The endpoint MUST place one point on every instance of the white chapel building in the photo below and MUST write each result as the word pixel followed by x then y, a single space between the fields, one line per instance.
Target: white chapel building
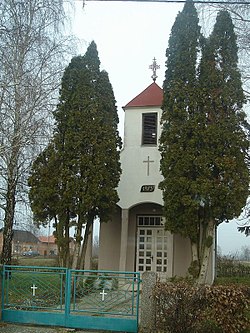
pixel 135 239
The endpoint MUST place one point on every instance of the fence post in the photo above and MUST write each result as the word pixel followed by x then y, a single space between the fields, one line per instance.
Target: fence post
pixel 148 308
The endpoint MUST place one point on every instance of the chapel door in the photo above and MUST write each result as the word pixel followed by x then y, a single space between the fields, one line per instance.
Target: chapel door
pixel 151 245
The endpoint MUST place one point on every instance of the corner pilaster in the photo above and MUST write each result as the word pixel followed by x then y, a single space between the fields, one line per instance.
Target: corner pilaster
pixel 124 240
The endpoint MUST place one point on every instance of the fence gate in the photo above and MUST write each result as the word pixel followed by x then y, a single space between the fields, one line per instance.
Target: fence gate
pixel 101 300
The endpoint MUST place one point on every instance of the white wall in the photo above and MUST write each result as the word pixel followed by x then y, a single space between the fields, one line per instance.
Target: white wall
pixel 134 170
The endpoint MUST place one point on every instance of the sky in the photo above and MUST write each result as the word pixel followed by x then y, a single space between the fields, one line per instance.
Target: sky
pixel 128 36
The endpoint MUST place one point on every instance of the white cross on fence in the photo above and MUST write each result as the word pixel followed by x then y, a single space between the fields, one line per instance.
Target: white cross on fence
pixel 34 287
pixel 103 294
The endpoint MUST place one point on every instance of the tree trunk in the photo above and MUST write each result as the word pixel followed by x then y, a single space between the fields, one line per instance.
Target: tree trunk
pixel 88 233
pixel 194 267
pixel 77 249
pixel 10 197
pixel 59 240
pixel 58 243
pixel 62 240
pixel 76 255
pixel 66 244
pixel 8 222
pixel 194 249
pixel 207 247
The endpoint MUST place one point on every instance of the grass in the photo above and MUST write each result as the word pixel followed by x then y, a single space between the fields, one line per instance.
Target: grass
pixel 49 284
pixel 18 288
pixel 37 261
pixel 239 280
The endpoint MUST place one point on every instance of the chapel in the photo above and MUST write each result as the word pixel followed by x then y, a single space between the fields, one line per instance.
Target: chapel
pixel 135 238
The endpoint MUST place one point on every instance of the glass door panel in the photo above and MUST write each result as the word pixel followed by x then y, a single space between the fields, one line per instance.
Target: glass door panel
pixel 151 250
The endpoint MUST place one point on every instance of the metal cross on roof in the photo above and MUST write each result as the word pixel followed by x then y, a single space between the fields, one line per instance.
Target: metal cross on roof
pixel 154 67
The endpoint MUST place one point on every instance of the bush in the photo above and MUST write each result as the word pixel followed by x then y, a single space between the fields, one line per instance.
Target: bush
pixel 230 267
pixel 184 308
pixel 228 307
pixel 179 307
pixel 209 326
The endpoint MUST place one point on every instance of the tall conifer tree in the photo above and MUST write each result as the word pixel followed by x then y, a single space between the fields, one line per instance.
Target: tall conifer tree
pixel 203 143
pixel 223 179
pixel 181 126
pixel 48 200
pixel 87 145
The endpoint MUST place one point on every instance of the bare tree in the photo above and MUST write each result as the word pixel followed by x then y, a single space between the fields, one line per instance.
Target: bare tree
pixel 32 49
pixel 240 14
pixel 245 253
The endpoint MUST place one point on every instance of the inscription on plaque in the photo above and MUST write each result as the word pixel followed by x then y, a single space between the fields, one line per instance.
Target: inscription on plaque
pixel 147 188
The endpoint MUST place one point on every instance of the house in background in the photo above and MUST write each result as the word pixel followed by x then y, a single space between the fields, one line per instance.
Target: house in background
pixel 23 241
pixel 47 246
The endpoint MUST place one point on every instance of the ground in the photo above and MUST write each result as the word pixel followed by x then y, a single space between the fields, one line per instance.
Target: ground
pixel 10 328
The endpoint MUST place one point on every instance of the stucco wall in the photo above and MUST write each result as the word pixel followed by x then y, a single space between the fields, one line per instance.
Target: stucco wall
pixel 109 243
pixel 134 169
pixel 130 264
pixel 181 256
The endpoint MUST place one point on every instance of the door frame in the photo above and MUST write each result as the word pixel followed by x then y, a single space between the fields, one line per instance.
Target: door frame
pixel 170 243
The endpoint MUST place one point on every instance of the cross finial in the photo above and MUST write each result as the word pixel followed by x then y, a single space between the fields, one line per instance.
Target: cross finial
pixel 154 67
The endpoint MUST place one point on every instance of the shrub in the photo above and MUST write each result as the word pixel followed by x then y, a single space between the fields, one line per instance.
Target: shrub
pixel 179 306
pixel 208 326
pixel 228 307
pixel 184 308
pixel 230 267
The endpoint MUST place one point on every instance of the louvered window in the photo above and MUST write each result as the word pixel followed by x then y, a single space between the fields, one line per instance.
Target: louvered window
pixel 149 128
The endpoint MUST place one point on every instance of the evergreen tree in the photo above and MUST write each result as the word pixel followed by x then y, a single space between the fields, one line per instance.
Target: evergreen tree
pixel 87 146
pixel 181 126
pixel 204 145
pixel 180 76
pixel 43 183
pixel 48 199
pixel 245 229
pixel 223 180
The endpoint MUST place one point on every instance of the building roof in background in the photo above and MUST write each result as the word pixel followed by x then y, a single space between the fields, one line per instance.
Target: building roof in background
pixel 47 239
pixel 151 96
pixel 24 236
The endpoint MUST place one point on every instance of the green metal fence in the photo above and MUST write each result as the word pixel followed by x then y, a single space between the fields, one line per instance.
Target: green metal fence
pixel 71 298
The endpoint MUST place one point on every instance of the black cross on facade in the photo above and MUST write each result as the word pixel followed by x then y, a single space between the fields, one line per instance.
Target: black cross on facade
pixel 148 161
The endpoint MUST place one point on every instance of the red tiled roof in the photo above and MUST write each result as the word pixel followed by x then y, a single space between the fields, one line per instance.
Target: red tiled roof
pixel 47 239
pixel 151 96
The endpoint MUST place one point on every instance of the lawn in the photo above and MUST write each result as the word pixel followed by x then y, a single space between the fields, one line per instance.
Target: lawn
pixel 27 288
pixel 37 261
pixel 239 280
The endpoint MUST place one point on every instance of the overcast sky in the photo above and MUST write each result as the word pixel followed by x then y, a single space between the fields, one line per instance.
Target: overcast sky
pixel 128 37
